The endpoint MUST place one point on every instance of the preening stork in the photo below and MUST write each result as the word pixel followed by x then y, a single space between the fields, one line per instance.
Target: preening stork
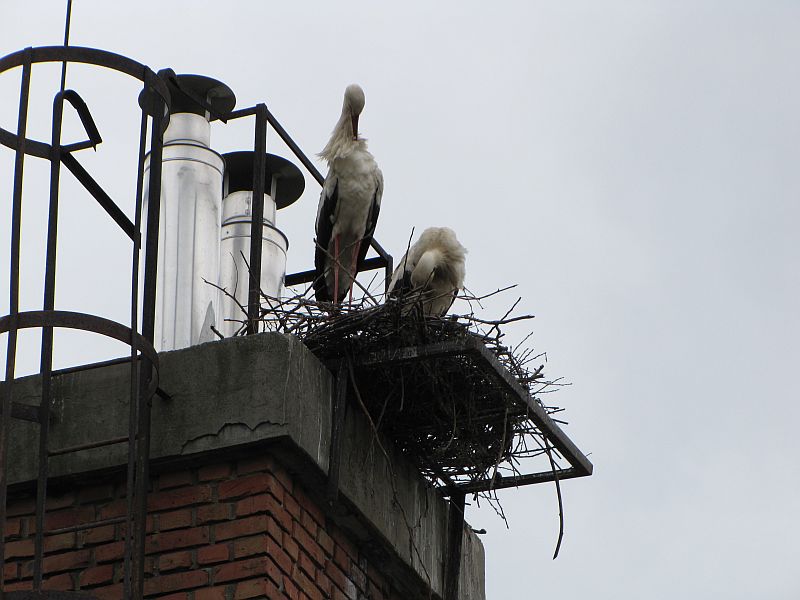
pixel 432 271
pixel 348 206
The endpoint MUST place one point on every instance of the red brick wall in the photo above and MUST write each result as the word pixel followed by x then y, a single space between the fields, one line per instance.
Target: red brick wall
pixel 222 531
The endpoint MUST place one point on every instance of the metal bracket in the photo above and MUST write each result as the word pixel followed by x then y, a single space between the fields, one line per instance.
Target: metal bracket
pixel 455 538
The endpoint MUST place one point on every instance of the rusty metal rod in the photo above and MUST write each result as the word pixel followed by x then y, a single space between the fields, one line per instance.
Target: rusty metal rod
pixel 11 348
pixel 88 446
pixel 84 526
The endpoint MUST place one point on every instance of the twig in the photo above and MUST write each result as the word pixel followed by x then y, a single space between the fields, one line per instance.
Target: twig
pixel 560 503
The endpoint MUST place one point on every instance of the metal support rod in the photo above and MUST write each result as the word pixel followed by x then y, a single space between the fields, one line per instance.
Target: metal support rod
pixel 11 349
pixel 46 364
pixel 146 369
pixel 500 483
pixel 387 258
pixel 455 537
pixel 321 180
pixel 88 446
pixel 257 222
pixel 301 156
pixel 85 526
pixel 99 194
pixel 133 411
pixel 295 148
pixel 369 264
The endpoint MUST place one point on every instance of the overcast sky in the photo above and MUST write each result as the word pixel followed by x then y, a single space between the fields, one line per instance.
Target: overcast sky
pixel 631 165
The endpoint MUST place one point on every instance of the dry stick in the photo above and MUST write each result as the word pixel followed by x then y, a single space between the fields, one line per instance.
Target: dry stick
pixel 377 426
pixel 214 329
pixel 228 294
pixel 500 456
pixel 518 346
pixel 489 295
pixel 393 479
pixel 560 503
pixel 408 249
pixel 502 319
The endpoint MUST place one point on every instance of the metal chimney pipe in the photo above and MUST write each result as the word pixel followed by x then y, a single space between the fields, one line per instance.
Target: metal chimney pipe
pixel 284 184
pixel 191 197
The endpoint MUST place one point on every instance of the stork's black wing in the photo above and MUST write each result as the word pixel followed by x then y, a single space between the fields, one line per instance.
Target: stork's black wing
pixel 324 229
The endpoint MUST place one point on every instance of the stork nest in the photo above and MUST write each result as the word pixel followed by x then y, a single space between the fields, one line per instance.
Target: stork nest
pixel 443 411
pixel 433 386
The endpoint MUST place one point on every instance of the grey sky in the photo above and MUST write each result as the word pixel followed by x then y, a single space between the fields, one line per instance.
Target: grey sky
pixel 631 165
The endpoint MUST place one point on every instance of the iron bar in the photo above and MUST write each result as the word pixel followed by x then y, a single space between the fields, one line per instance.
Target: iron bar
pixel 148 331
pixel 98 193
pixel 387 258
pixel 84 322
pixel 85 116
pixel 539 415
pixel 48 595
pixel 49 318
pixel 67 22
pixel 80 54
pixel 242 112
pixel 11 348
pixel 85 526
pixel 46 356
pixel 505 482
pixel 88 446
pixel 295 148
pixel 74 147
pixel 133 409
pixel 91 56
pixel 257 222
pixel 369 264
pixel 455 538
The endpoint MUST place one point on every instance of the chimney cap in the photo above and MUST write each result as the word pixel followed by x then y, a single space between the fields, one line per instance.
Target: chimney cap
pixel 239 176
pixel 217 94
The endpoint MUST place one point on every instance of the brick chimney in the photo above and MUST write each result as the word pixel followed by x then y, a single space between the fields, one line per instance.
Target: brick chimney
pixel 240 505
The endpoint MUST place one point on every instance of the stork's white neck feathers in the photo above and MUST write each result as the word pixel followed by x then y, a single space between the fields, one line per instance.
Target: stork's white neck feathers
pixel 343 139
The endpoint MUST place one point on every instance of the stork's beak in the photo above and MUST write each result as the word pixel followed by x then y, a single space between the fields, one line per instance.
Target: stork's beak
pixel 354 120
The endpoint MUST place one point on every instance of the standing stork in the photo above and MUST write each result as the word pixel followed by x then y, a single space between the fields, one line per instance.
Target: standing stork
pixel 348 206
pixel 432 270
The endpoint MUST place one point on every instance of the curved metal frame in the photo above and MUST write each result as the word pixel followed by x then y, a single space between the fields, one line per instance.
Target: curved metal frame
pixel 85 322
pixel 154 101
pixel 101 58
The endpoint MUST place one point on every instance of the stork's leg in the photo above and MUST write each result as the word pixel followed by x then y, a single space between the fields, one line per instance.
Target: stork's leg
pixel 336 269
pixel 353 269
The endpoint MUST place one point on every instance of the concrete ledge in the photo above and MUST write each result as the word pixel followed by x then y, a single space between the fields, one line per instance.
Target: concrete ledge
pixel 236 395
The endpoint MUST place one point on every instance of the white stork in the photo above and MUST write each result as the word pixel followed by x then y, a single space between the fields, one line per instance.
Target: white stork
pixel 432 271
pixel 348 206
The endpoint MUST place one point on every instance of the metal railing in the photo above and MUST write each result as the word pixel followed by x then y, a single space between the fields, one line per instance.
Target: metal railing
pixel 154 101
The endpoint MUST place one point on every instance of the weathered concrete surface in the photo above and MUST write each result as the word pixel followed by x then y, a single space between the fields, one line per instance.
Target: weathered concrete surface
pixel 254 390
pixel 472 580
